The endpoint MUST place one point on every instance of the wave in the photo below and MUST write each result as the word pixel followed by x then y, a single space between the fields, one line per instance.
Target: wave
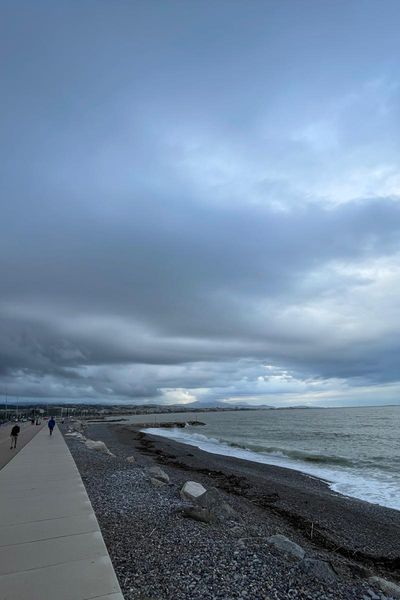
pixel 342 475
pixel 311 457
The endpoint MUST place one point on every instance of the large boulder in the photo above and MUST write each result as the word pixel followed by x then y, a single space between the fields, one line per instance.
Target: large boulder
pixel 98 446
pixel 282 543
pixel 130 459
pixel 214 502
pixel 387 587
pixel 158 473
pixel 319 569
pixel 198 514
pixel 157 482
pixel 191 490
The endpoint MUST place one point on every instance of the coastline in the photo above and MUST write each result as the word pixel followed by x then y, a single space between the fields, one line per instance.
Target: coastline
pixel 341 522
pixel 357 538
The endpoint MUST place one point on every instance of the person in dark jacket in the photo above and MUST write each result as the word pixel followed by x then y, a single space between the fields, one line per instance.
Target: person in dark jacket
pixel 14 436
pixel 51 424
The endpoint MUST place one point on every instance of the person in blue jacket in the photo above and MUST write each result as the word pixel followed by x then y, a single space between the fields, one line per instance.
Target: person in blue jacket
pixel 51 424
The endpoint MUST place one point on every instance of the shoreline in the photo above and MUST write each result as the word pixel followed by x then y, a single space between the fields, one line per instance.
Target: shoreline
pixel 348 524
pixel 225 450
pixel 146 431
pixel 156 551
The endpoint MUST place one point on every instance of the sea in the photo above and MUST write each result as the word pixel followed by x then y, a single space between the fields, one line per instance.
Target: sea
pixel 356 450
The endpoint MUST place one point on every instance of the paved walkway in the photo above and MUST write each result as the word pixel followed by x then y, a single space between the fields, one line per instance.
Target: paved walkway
pixel 51 546
pixel 28 431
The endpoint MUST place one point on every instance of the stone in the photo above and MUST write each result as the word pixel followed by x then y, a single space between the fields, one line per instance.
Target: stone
pixel 387 587
pixel 283 544
pixel 157 482
pixel 319 569
pixel 78 425
pixel 98 446
pixel 131 459
pixel 78 436
pixel 209 498
pixel 158 473
pixel 226 510
pixel 198 514
pixel 191 490
pixel 253 531
pixel 238 531
pixel 212 500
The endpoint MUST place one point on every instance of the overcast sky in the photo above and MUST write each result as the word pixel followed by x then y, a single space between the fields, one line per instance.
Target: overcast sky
pixel 200 200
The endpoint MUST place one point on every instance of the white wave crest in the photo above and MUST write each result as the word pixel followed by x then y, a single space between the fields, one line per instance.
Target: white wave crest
pixel 374 486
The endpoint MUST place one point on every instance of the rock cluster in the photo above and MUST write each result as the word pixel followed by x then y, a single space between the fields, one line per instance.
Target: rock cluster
pixel 98 446
pixel 75 432
pixel 209 506
pixel 317 569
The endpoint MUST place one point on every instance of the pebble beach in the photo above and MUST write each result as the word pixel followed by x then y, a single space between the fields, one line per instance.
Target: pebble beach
pixel 251 538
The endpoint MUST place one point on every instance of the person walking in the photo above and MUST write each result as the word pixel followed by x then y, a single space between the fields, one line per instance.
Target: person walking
pixel 51 424
pixel 14 436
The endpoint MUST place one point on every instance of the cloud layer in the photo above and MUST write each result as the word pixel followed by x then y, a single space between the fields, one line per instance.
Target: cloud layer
pixel 200 202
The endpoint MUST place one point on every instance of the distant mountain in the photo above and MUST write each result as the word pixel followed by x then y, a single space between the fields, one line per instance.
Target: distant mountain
pixel 246 405
pixel 226 405
pixel 207 404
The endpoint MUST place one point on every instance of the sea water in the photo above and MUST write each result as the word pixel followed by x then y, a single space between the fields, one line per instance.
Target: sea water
pixel 356 450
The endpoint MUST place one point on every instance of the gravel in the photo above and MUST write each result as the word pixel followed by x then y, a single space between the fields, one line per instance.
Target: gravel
pixel 159 555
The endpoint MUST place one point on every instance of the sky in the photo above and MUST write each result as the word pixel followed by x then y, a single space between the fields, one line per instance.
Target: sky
pixel 200 201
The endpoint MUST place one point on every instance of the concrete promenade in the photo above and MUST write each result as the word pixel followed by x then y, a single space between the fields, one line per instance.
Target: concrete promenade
pixel 28 431
pixel 51 546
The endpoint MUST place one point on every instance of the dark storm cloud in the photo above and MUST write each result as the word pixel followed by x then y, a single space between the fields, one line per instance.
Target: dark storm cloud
pixel 193 192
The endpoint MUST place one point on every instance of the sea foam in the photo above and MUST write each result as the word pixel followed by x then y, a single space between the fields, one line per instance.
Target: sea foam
pixel 370 485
